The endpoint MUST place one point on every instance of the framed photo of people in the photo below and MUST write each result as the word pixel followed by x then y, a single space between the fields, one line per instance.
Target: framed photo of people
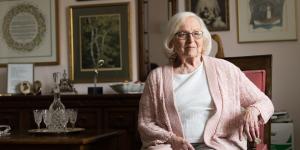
pixel 214 13
pixel 100 33
pixel 265 20
pixel 29 32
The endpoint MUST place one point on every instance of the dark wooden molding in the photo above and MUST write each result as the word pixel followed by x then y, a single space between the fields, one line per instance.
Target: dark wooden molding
pixel 144 63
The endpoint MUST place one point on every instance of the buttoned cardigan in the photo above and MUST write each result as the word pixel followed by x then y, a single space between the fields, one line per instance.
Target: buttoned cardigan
pixel 231 91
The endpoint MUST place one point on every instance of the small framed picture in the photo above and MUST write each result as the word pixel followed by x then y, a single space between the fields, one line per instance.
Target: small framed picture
pixel 17 74
pixel 214 13
pixel 266 21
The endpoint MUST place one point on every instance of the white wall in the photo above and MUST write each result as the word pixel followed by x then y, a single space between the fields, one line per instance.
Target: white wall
pixel 44 73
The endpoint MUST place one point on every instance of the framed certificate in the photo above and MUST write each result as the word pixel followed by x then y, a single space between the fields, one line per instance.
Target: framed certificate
pixel 18 74
pixel 29 32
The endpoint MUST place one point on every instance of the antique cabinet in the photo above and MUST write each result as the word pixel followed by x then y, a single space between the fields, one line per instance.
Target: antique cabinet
pixel 113 111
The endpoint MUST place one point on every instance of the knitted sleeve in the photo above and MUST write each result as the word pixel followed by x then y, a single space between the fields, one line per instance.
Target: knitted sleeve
pixel 151 133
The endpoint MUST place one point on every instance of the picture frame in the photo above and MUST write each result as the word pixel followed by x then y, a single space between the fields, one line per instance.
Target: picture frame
pixel 29 32
pixel 214 13
pixel 264 20
pixel 172 8
pixel 98 33
pixel 18 74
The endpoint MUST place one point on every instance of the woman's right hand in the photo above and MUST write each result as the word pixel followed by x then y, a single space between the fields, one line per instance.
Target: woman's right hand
pixel 180 143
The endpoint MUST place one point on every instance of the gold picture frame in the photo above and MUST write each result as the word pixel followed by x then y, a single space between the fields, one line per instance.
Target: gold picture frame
pixel 100 32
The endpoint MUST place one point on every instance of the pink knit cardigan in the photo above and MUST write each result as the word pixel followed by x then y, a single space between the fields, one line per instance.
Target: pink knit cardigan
pixel 230 89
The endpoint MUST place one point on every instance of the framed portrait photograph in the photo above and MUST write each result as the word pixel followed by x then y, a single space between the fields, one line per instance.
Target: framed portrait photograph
pixel 29 32
pixel 100 33
pixel 19 75
pixel 265 20
pixel 214 13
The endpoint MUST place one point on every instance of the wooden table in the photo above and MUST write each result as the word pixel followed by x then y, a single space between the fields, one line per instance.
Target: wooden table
pixel 85 140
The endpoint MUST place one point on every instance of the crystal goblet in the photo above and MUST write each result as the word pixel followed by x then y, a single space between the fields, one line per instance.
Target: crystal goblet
pixel 64 119
pixel 46 117
pixel 73 116
pixel 38 116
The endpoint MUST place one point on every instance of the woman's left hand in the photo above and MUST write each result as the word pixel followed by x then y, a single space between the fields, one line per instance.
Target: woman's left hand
pixel 250 124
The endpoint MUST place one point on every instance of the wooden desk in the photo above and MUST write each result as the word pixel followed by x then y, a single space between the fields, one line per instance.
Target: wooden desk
pixel 86 140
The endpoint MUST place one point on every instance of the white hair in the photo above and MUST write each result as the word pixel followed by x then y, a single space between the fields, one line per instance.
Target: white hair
pixel 173 27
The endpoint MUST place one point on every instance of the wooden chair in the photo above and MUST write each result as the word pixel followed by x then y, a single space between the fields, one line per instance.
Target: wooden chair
pixel 259 70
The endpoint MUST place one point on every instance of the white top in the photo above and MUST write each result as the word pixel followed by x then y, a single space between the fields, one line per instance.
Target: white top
pixel 193 102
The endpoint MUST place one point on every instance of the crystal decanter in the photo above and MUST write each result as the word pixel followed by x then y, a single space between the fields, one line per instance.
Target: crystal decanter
pixel 57 108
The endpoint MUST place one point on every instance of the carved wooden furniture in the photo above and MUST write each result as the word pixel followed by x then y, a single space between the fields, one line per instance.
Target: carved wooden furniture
pixel 117 111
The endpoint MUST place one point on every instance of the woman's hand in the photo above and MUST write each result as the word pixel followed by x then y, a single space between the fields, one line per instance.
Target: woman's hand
pixel 180 143
pixel 250 124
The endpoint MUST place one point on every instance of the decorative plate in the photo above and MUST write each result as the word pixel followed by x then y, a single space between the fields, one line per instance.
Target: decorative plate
pixel 25 87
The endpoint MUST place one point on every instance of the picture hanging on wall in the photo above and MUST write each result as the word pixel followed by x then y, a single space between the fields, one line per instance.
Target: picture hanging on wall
pixel 29 32
pixel 266 20
pixel 214 13
pixel 100 33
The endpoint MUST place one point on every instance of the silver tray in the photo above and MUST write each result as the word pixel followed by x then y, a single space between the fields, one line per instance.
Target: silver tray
pixel 47 131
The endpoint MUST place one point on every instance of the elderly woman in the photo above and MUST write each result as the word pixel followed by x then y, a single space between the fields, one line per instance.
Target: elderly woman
pixel 197 101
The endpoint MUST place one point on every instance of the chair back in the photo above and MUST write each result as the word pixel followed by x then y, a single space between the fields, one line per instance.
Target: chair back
pixel 259 70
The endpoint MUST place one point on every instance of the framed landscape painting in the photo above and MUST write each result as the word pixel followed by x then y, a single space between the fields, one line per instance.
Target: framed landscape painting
pixel 100 33
pixel 214 13
pixel 266 20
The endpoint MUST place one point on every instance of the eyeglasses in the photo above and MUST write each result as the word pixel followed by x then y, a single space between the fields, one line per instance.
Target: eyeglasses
pixel 185 35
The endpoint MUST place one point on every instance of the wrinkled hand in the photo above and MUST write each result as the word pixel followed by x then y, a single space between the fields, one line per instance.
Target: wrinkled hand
pixel 180 143
pixel 250 124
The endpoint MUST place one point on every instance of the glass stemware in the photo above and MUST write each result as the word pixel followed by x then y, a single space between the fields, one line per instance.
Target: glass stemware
pixel 64 119
pixel 46 117
pixel 38 116
pixel 73 116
